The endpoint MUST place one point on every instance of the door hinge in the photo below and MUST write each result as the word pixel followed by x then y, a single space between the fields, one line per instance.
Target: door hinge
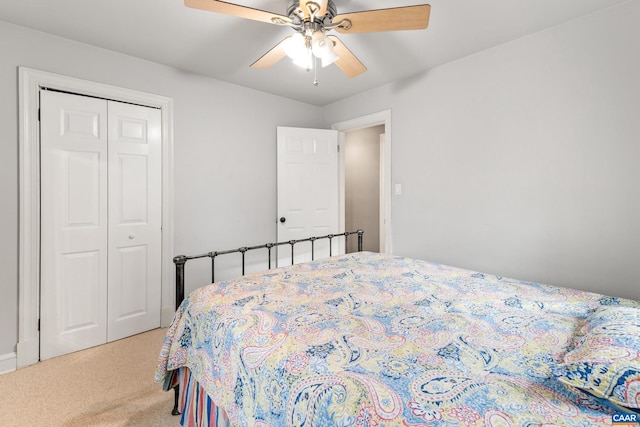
pixel 38 114
pixel 338 148
pixel 38 325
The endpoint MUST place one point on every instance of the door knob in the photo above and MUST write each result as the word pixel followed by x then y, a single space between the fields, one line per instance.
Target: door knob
pixel 283 219
pixel 132 236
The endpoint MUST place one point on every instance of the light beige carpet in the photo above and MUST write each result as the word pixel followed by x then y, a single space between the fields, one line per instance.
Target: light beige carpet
pixel 109 385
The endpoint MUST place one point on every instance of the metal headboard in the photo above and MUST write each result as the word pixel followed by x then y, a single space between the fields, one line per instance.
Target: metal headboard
pixel 181 260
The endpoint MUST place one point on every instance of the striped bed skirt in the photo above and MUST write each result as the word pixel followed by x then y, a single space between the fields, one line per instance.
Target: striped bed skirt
pixel 196 407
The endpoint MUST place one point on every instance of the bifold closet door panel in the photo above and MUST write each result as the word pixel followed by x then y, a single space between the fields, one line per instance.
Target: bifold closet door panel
pixel 135 206
pixel 74 224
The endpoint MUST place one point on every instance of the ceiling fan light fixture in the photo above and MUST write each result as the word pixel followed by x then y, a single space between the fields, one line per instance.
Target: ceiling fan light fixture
pixel 305 60
pixel 329 59
pixel 322 48
pixel 295 46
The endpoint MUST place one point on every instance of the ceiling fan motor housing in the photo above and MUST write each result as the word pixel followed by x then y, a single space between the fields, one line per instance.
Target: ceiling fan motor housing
pixel 293 12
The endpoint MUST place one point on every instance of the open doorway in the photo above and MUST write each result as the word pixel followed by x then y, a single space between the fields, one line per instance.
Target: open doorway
pixel 362 155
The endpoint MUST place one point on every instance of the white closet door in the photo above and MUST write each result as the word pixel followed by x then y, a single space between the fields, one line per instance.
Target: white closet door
pixel 101 196
pixel 135 197
pixel 73 288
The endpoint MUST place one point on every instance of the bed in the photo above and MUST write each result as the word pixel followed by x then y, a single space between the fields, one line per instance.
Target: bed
pixel 367 339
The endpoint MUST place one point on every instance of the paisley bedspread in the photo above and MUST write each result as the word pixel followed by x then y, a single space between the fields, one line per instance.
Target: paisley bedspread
pixel 373 340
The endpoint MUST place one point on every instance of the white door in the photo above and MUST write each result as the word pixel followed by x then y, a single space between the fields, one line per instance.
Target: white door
pixel 308 191
pixel 100 221
pixel 135 197
pixel 73 287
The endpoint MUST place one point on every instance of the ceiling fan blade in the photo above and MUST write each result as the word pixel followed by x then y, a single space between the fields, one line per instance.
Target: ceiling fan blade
pixel 393 19
pixel 348 63
pixel 323 7
pixel 271 57
pixel 238 10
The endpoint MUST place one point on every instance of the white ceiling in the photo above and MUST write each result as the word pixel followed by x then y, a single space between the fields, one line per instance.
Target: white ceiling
pixel 223 47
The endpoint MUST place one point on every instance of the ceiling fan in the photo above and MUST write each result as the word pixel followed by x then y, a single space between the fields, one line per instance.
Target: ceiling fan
pixel 312 19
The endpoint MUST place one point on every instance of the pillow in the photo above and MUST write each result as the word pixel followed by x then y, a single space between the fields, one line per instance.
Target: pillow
pixel 605 359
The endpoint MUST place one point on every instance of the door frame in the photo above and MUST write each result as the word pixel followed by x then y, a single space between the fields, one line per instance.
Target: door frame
pixel 370 120
pixel 30 82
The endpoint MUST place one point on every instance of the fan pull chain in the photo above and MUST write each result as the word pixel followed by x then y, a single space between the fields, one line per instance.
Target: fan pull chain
pixel 315 71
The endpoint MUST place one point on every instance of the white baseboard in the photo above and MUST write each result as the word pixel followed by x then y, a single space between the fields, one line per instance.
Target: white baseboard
pixel 28 351
pixel 8 362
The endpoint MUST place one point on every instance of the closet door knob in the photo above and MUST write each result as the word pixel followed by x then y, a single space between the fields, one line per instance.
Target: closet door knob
pixel 132 236
pixel 283 220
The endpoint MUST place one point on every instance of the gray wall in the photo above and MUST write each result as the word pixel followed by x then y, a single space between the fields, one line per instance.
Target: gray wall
pixel 523 160
pixel 224 142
